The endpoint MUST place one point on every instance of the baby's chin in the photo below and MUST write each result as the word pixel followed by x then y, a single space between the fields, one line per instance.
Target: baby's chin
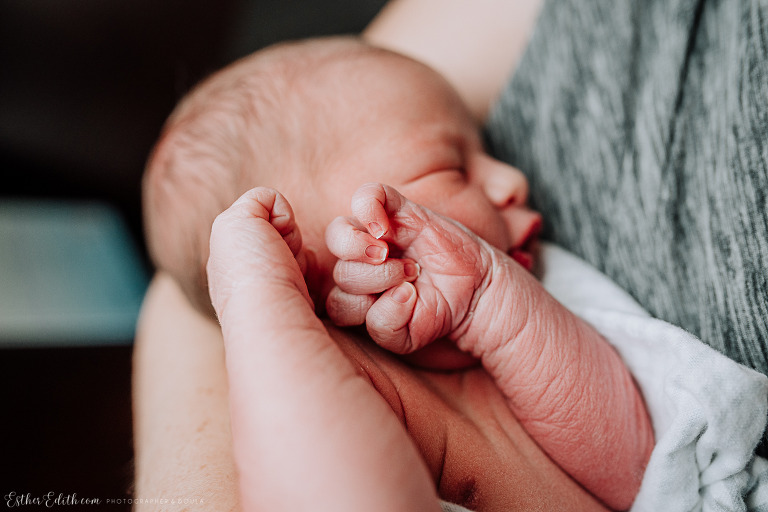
pixel 527 255
pixel 525 258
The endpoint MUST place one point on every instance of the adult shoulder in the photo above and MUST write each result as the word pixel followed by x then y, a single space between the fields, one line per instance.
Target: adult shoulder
pixel 475 45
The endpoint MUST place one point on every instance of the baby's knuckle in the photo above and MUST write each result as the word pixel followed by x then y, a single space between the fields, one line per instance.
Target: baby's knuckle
pixel 346 272
pixel 347 247
pixel 384 272
pixel 340 271
pixel 392 270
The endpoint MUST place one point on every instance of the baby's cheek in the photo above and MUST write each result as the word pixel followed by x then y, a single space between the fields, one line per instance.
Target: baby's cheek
pixel 484 220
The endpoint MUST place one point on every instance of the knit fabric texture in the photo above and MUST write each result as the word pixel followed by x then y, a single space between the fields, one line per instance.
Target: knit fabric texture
pixel 643 129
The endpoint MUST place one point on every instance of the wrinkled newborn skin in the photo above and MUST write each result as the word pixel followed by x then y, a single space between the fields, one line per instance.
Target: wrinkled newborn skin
pixel 563 382
pixel 295 382
pixel 543 368
pixel 541 364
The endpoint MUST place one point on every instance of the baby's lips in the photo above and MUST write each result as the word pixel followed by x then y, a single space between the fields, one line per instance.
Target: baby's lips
pixel 524 250
pixel 533 231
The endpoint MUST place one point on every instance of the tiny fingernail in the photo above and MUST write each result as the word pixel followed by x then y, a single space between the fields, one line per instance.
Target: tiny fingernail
pixel 376 253
pixel 411 270
pixel 375 230
pixel 402 293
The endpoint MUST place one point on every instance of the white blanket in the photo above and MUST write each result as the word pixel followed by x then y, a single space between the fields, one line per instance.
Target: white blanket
pixel 708 412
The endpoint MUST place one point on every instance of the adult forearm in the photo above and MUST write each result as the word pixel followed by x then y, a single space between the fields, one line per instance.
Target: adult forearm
pixel 182 441
pixel 309 432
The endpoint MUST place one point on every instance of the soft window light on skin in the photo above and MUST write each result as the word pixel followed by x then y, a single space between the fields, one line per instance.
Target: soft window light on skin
pixel 399 123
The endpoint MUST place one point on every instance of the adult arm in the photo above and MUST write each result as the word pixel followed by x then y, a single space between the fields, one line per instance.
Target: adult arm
pixel 182 433
pixel 182 436
pixel 309 432
pixel 476 45
pixel 182 430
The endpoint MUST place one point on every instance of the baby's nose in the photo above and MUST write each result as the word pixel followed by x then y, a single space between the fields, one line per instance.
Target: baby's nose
pixel 504 185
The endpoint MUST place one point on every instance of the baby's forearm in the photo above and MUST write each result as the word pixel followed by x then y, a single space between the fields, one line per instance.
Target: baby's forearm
pixel 308 431
pixel 565 383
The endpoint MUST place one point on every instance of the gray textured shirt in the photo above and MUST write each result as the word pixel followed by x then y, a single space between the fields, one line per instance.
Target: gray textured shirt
pixel 643 128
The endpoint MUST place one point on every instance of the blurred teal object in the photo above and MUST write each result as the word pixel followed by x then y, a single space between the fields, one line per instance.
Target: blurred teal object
pixel 70 274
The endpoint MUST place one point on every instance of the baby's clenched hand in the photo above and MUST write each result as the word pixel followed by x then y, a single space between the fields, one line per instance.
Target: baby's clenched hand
pixel 568 387
pixel 425 290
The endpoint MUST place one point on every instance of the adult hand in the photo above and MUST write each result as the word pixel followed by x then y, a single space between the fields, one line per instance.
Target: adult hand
pixel 475 451
pixel 308 430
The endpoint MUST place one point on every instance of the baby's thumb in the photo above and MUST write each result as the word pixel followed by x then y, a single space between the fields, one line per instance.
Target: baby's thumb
pixel 387 320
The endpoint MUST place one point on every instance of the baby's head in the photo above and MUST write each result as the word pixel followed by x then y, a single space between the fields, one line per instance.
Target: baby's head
pixel 315 120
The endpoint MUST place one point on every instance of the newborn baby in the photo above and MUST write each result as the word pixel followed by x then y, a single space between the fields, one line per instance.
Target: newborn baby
pixel 434 256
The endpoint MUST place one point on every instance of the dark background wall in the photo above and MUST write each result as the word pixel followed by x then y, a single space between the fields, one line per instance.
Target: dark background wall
pixel 85 86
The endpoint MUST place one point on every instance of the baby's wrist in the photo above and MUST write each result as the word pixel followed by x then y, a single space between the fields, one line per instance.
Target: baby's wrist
pixel 500 310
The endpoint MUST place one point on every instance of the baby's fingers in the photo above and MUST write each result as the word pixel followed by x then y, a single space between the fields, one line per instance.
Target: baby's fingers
pixel 345 309
pixel 373 204
pixel 348 241
pixel 388 215
pixel 363 279
pixel 387 320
